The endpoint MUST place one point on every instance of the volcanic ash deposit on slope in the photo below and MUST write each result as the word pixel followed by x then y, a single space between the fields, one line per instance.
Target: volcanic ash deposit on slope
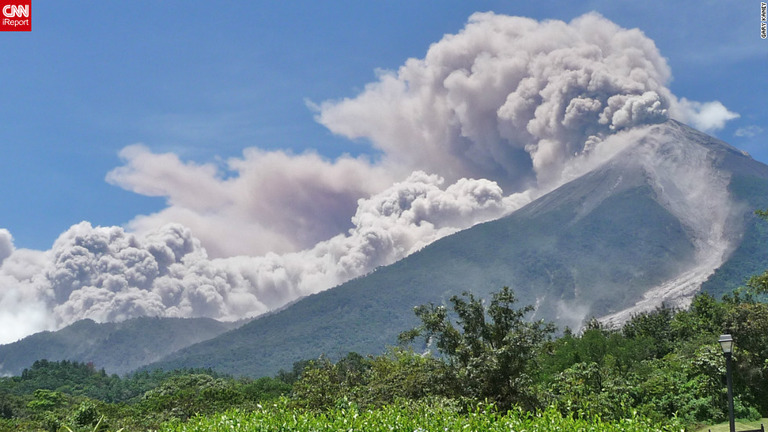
pixel 687 183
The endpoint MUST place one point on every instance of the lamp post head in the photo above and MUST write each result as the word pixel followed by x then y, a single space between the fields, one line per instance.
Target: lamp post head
pixel 726 342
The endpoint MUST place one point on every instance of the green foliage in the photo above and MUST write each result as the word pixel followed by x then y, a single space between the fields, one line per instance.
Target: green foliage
pixel 369 381
pixel 290 377
pixel 410 417
pixel 662 363
pixel 45 400
pixel 188 395
pixel 82 379
pixel 655 327
pixel 97 426
pixel 51 422
pixel 748 323
pixel 65 376
pixel 85 415
pixel 493 351
pixel 587 390
pixel 321 384
pixel 6 406
pixel 403 374
pixel 141 401
pixel 264 388
pixel 662 367
pixel 705 316
pixel 48 409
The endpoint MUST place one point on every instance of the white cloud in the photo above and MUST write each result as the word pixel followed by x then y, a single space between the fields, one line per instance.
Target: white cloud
pixel 748 131
pixel 706 116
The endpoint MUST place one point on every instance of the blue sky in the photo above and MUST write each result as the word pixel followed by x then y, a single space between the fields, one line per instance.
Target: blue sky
pixel 206 80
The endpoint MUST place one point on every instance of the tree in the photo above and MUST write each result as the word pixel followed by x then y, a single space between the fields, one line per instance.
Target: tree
pixel 401 374
pixel 748 323
pixel 704 318
pixel 369 382
pixel 46 400
pixel 187 395
pixel 264 388
pixel 491 352
pixel 655 325
pixel 586 390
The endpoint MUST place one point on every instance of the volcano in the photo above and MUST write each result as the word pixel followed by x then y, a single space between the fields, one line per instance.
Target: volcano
pixel 669 213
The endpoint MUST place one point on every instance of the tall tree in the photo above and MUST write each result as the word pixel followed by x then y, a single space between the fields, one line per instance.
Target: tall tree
pixel 491 351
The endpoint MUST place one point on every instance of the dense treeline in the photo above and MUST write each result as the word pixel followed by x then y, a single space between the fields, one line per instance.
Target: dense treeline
pixel 53 395
pixel 664 366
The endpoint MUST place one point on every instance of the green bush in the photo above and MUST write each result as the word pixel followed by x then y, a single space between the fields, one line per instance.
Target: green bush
pixel 187 395
pixel 85 415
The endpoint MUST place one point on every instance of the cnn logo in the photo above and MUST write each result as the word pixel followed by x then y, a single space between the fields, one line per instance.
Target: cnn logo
pixel 16 11
pixel 17 15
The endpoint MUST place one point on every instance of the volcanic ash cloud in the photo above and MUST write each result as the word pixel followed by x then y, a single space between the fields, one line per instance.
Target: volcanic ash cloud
pixel 514 100
pixel 108 274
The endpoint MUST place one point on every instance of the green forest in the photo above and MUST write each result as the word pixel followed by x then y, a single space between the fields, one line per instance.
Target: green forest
pixel 469 365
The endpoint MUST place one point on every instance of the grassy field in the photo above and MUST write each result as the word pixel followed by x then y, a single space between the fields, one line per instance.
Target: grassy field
pixel 724 427
pixel 407 418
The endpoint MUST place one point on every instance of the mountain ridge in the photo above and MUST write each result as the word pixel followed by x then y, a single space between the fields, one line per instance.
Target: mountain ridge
pixel 118 347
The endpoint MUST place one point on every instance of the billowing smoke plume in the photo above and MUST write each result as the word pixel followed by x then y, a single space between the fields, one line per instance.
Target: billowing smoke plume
pixel 491 117
pixel 106 274
pixel 271 202
pixel 514 100
pixel 510 98
pixel 22 310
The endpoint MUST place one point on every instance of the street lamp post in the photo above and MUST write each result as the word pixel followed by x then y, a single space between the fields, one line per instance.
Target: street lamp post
pixel 726 342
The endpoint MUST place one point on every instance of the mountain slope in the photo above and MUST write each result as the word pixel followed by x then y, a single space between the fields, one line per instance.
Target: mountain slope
pixel 117 347
pixel 648 226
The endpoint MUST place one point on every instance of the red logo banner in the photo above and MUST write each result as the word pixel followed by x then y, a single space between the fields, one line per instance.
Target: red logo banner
pixel 15 15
